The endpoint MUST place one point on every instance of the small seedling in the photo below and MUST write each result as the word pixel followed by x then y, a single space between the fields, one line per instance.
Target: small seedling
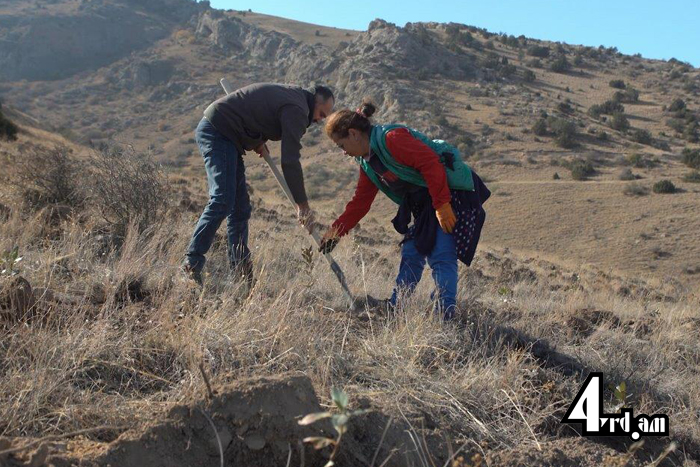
pixel 339 421
pixel 620 394
pixel 8 262
pixel 504 291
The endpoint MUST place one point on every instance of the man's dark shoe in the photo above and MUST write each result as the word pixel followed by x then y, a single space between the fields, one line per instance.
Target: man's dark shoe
pixel 192 273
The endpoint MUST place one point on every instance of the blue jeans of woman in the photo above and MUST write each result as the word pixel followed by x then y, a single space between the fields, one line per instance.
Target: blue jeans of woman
pixel 228 198
pixel 442 261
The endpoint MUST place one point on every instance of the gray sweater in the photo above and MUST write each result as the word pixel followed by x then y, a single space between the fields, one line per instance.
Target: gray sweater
pixel 260 112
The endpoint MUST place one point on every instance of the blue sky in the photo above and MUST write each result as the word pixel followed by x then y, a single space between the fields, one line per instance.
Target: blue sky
pixel 654 28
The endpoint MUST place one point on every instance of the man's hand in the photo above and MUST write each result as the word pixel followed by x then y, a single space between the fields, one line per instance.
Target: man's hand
pixel 306 216
pixel 329 241
pixel 262 150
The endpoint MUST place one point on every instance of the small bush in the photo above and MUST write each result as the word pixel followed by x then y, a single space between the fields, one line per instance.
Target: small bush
pixel 692 177
pixel 642 137
pixel 609 107
pixel 617 83
pixel 565 132
pixel 691 158
pixel 639 161
pixel 540 127
pixel 127 187
pixel 538 51
pixel 529 76
pixel 635 189
pixel 8 130
pixel 664 187
pixel 560 65
pixel 45 176
pixel 629 95
pixel 581 170
pixel 595 111
pixel 619 122
pixel 565 108
pixel 677 105
pixel 556 176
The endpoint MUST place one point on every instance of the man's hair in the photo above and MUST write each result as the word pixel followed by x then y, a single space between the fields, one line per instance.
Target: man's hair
pixel 324 92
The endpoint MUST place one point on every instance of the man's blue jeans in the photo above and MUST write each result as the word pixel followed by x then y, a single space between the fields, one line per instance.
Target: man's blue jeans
pixel 228 198
pixel 443 262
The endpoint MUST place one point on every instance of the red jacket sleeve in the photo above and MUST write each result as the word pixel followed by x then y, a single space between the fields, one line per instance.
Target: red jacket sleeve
pixel 359 205
pixel 412 152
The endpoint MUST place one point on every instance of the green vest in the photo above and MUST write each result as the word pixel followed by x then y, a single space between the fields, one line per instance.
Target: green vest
pixel 459 177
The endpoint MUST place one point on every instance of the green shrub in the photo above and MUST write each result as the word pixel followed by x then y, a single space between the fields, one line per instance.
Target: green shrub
pixel 560 65
pixel 565 107
pixel 691 158
pixel 664 187
pixel 617 83
pixel 595 111
pixel 581 169
pixel 619 122
pixel 642 137
pixel 690 132
pixel 628 95
pixel 639 161
pixel 608 107
pixel 565 131
pixel 677 105
pixel 692 177
pixel 611 107
pixel 529 76
pixel 540 127
pixel 635 189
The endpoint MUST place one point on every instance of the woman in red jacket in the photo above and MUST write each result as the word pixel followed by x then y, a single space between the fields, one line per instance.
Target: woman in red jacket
pixel 432 186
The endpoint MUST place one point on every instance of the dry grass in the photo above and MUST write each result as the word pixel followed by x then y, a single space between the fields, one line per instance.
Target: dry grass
pixel 97 354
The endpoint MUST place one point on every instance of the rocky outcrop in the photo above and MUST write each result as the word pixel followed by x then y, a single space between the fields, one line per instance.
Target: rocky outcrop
pixel 48 45
pixel 368 66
